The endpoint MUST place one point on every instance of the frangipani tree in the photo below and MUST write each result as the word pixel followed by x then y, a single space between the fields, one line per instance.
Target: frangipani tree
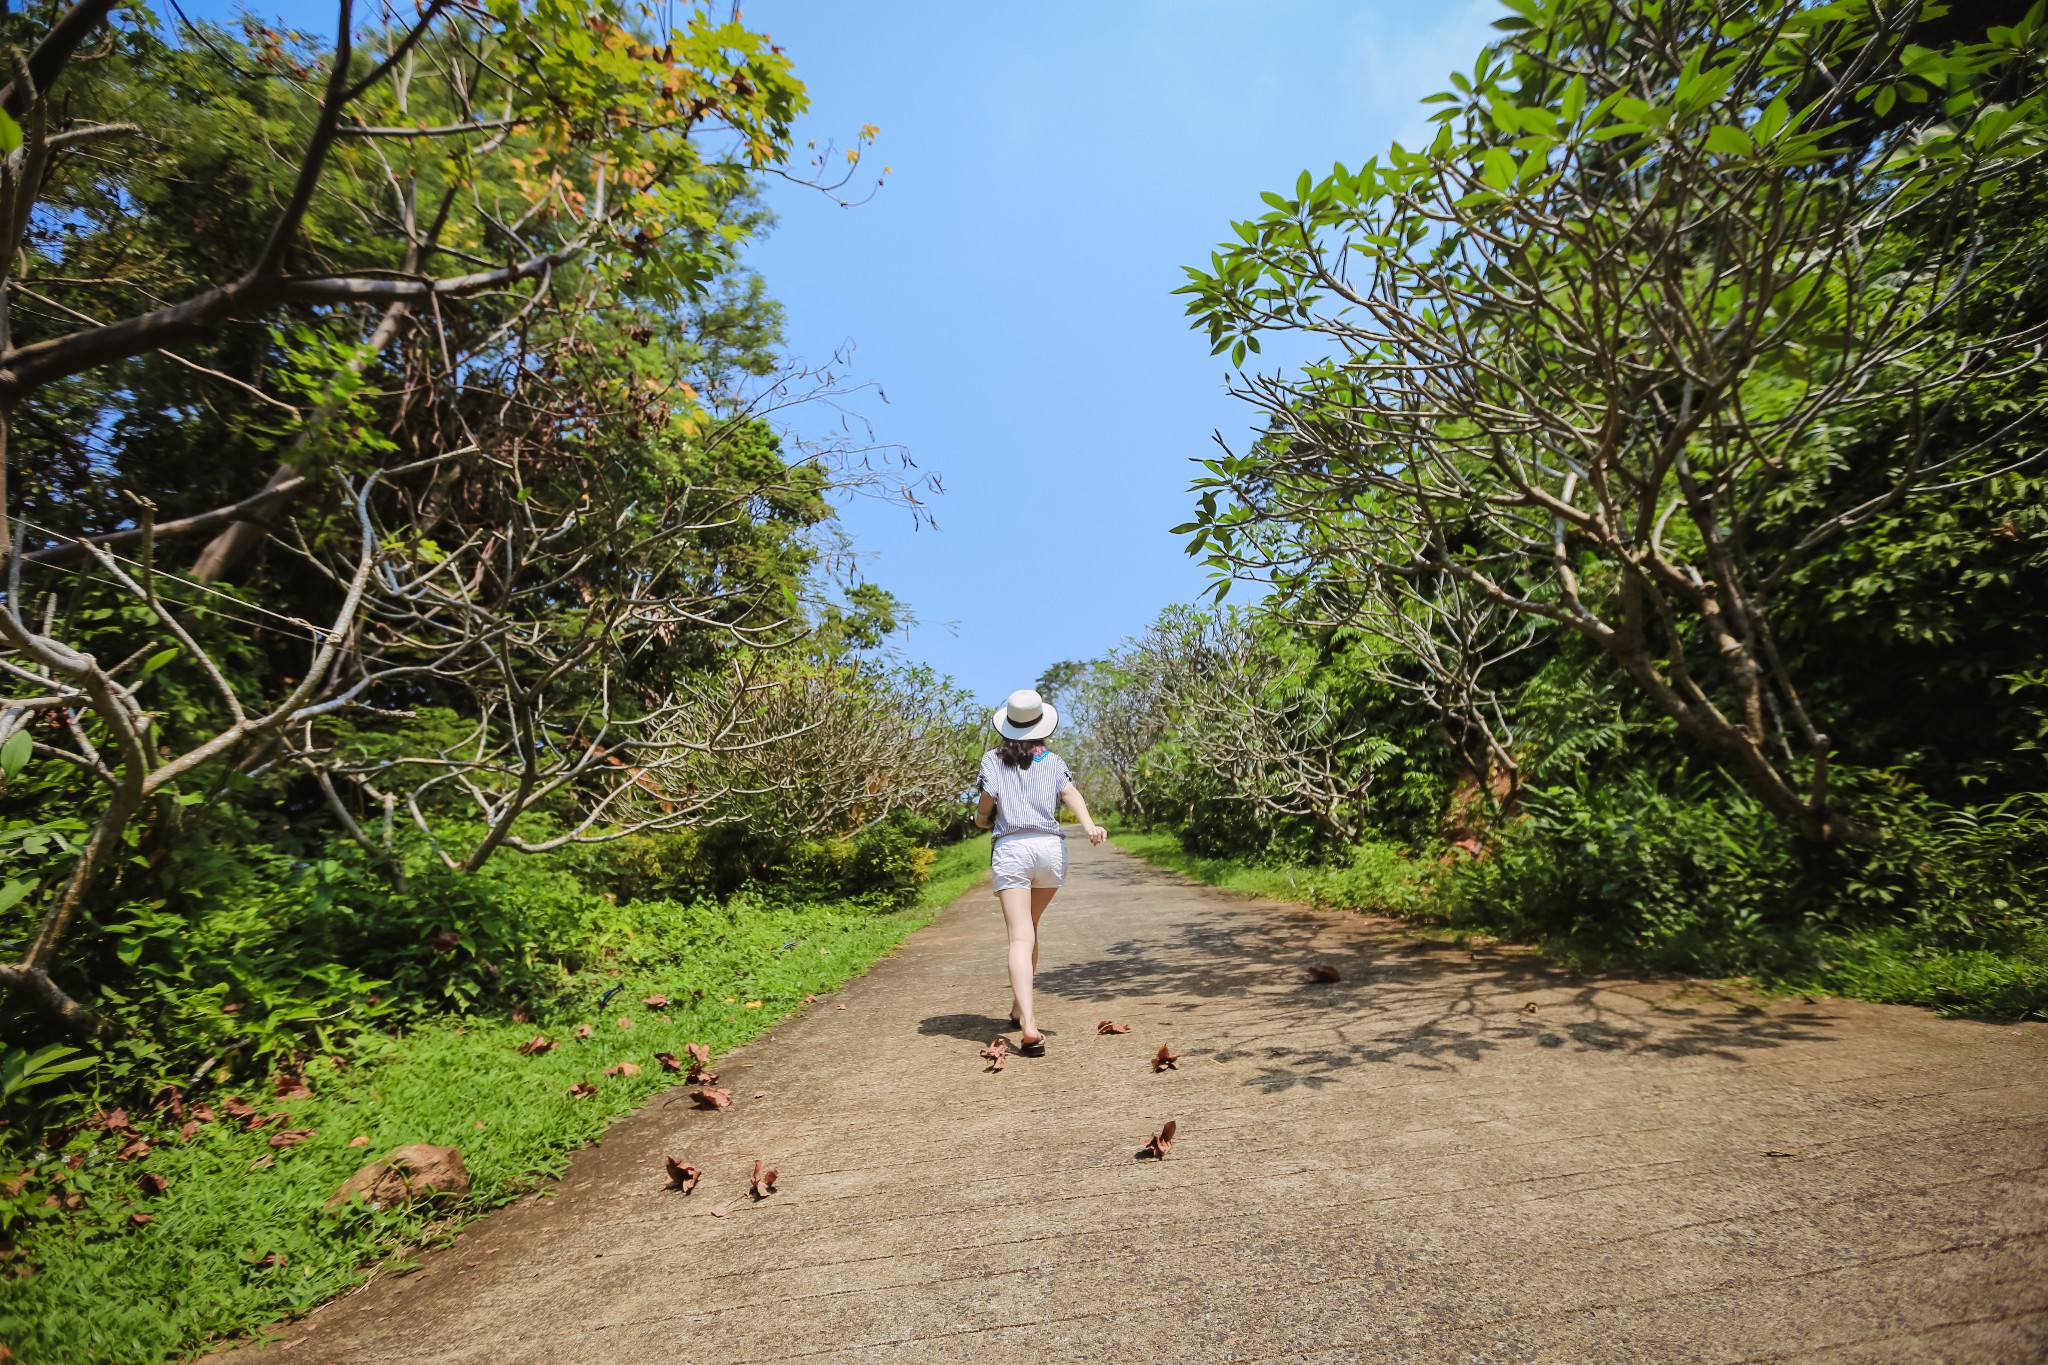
pixel 1676 297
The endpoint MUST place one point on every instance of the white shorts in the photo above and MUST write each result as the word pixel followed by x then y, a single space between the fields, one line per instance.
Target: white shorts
pixel 1030 860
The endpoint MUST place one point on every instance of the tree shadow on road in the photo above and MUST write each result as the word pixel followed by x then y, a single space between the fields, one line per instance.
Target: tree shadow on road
pixel 1239 969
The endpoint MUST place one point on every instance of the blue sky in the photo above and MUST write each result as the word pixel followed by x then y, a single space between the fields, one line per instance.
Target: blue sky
pixel 1054 166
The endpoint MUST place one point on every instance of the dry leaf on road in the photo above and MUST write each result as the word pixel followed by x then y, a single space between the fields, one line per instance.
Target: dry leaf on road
pixel 1319 972
pixel 622 1069
pixel 1160 1145
pixel 763 1183
pixel 669 1061
pixel 1166 1060
pixel 997 1052
pixel 710 1097
pixel 1111 1026
pixel 682 1175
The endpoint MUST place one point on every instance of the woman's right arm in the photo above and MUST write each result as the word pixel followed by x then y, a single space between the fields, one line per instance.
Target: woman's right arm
pixel 985 811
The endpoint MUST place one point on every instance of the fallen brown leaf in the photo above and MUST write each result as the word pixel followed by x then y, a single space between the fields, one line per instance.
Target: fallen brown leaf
pixel 69 1200
pixel 267 1260
pixel 1111 1026
pixel 839 1007
pixel 290 1086
pixel 682 1175
pixel 763 1183
pixel 1786 1151
pixel 625 1022
pixel 189 1130
pixel 235 1107
pixel 583 1030
pixel 1166 1060
pixel 656 1002
pixel 362 1141
pixel 152 1184
pixel 135 1149
pixel 622 1069
pixel 1160 1145
pixel 203 1113
pixel 290 1137
pixel 700 1055
pixel 1319 972
pixel 997 1052
pixel 263 1163
pixel 1529 1008
pixel 810 999
pixel 479 1125
pixel 536 1045
pixel 669 1061
pixel 760 1094
pixel 718 1213
pixel 521 1015
pixel 265 1120
pixel 112 1121
pixel 710 1097
pixel 141 1220
pixel 173 1099
pixel 446 941
pixel 582 1090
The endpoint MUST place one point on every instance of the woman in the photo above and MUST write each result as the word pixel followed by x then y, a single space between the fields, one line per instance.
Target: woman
pixel 1022 784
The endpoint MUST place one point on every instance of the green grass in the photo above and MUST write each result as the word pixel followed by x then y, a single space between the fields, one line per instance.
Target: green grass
pixel 103 1290
pixel 1890 967
pixel 1379 878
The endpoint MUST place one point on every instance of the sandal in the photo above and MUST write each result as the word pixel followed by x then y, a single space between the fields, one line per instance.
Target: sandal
pixel 1034 1049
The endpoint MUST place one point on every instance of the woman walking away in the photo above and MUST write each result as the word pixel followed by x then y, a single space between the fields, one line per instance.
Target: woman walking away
pixel 1022 784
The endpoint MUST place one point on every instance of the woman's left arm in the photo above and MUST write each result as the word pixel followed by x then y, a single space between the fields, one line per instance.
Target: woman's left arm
pixel 1078 804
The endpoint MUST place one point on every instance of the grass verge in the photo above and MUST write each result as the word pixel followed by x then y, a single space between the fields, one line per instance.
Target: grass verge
pixel 238 1238
pixel 1885 966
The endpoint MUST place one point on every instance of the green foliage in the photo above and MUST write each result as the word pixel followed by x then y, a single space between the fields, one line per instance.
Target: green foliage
pixel 103 1290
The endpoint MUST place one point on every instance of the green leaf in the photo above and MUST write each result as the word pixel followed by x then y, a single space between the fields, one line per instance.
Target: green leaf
pixel 12 893
pixel 14 753
pixel 10 132
pixel 1499 168
pixel 1728 140
pixel 159 659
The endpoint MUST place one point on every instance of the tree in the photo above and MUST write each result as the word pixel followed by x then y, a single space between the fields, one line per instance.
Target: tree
pixel 461 268
pixel 1597 352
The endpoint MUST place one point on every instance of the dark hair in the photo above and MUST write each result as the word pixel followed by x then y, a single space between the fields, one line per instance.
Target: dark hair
pixel 1018 753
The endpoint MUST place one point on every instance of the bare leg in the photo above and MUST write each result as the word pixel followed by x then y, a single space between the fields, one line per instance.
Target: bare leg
pixel 1041 897
pixel 1023 926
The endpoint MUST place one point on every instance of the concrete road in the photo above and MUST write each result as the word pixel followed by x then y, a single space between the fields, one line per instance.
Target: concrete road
pixel 1442 1157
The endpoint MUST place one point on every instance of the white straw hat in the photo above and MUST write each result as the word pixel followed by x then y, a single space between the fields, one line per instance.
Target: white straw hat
pixel 1026 715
